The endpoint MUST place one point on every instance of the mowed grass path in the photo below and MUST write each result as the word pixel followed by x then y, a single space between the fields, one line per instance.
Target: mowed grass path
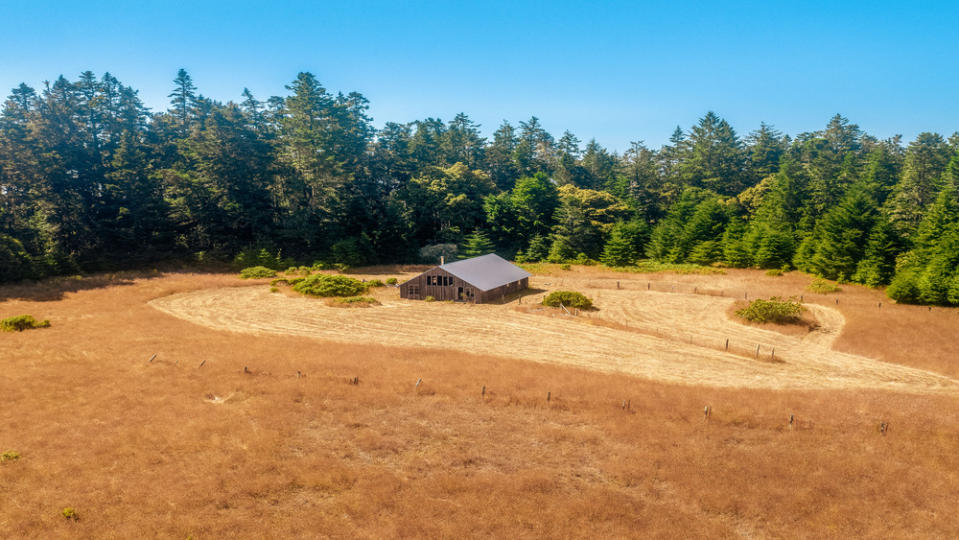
pixel 670 337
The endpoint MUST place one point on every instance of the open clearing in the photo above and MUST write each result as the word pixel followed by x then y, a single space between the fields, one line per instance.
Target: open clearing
pixel 218 436
pixel 674 337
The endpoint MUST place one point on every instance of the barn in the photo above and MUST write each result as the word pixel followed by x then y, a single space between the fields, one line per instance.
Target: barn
pixel 478 280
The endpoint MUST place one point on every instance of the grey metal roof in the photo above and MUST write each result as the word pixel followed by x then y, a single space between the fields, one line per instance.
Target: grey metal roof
pixel 486 272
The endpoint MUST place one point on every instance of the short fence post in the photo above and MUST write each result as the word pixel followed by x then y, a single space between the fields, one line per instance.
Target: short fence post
pixel 757 352
pixel 727 344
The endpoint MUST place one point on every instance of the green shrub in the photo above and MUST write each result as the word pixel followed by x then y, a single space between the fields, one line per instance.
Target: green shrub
pixel 565 267
pixel 274 289
pixel 291 270
pixel 568 299
pixel 375 283
pixel 256 272
pixel 429 299
pixel 325 285
pixel 279 281
pixel 70 513
pixel 822 286
pixel 392 281
pixel 775 272
pixel 21 323
pixel 9 455
pixel 775 310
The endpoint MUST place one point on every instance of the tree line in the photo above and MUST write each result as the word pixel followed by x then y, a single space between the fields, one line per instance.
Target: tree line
pixel 91 180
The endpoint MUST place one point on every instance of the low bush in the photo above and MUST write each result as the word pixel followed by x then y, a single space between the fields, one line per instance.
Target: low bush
pixel 70 513
pixel 324 285
pixel 775 310
pixel 565 267
pixel 375 283
pixel 429 299
pixel 392 281
pixel 9 455
pixel 822 286
pixel 279 281
pixel 257 272
pixel 274 289
pixel 21 323
pixel 774 272
pixel 568 299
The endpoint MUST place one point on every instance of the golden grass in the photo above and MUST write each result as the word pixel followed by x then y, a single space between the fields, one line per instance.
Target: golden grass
pixel 138 449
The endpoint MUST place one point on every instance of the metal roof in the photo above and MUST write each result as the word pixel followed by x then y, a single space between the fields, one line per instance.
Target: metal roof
pixel 486 272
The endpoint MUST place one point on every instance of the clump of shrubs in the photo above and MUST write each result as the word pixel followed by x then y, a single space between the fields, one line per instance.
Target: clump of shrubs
pixel 375 283
pixel 822 286
pixel 257 272
pixel 324 285
pixel 565 267
pixel 568 299
pixel 9 455
pixel 774 272
pixel 775 310
pixel 429 299
pixel 21 323
pixel 392 281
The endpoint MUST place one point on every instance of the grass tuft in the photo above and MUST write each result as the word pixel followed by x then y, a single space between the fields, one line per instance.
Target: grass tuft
pixel 9 455
pixel 21 323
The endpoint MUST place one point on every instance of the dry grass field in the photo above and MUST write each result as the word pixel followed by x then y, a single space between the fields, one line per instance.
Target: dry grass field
pixel 241 446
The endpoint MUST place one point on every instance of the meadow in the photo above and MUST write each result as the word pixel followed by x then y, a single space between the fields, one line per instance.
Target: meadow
pixel 255 419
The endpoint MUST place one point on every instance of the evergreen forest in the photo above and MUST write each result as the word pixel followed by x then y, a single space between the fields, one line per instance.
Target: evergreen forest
pixel 91 180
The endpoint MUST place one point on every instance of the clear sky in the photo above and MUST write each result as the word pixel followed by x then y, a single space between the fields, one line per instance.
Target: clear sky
pixel 616 71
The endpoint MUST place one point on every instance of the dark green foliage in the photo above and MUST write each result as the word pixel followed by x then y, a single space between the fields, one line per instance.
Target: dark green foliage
pixel 775 310
pixel 92 180
pixel 21 323
pixel 476 244
pixel 257 272
pixel 15 262
pixel 377 283
pixel 354 251
pixel 262 257
pixel 391 281
pixel 569 299
pixel 9 455
pixel 324 285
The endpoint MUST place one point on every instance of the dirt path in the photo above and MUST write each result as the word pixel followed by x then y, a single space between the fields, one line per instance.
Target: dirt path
pixel 677 338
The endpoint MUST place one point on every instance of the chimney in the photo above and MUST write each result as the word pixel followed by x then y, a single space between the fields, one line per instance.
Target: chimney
pixel 442 260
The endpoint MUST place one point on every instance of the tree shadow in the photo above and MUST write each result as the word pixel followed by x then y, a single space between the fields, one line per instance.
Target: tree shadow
pixel 55 288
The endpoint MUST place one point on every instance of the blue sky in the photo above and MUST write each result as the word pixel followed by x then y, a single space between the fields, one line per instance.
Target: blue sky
pixel 616 71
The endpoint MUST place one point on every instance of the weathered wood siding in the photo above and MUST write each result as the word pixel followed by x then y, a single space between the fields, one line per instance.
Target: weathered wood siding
pixel 423 285
pixel 457 290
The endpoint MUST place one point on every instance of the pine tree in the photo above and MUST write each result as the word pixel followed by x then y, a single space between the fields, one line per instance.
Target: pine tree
pixel 183 99
pixel 477 243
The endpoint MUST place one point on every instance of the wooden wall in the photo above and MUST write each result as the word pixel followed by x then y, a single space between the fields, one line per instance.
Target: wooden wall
pixel 457 290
